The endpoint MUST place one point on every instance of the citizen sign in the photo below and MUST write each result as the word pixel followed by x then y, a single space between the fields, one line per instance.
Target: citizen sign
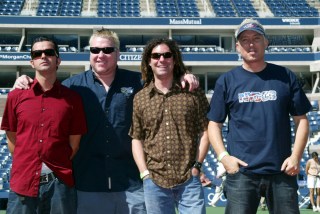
pixel 130 57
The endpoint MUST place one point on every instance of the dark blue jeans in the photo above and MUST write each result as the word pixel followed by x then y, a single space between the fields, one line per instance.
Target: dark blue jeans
pixel 130 201
pixel 243 193
pixel 54 198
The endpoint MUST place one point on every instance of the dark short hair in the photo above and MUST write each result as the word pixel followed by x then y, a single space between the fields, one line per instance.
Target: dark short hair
pixel 46 39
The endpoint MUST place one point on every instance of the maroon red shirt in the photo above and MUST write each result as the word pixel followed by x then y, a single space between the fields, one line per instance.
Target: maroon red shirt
pixel 43 122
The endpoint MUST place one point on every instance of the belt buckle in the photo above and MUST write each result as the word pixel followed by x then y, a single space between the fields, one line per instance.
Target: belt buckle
pixel 44 179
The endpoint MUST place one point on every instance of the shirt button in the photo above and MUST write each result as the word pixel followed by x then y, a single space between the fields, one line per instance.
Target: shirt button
pixel 41 124
pixel 43 109
pixel 40 141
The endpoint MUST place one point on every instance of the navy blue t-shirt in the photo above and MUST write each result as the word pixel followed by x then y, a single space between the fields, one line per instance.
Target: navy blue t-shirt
pixel 258 107
pixel 104 162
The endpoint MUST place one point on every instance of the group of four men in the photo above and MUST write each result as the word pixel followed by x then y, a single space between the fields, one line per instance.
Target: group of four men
pixel 138 146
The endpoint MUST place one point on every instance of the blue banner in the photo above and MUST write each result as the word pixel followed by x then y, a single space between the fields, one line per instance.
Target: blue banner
pixel 191 57
pixel 152 22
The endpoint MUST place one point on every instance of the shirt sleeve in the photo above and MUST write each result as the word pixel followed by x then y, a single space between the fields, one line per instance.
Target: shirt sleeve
pixel 218 110
pixel 9 119
pixel 136 130
pixel 203 110
pixel 300 104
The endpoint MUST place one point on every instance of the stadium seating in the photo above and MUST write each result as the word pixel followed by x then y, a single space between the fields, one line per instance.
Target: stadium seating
pixel 129 8
pixel 188 8
pixel 123 8
pixel 5 165
pixel 48 8
pixel 183 48
pixel 4 91
pixel 59 8
pixel 179 8
pixel 291 8
pixel 288 43
pixel 286 49
pixel 11 7
pixel 166 8
pixel 244 8
pixel 223 8
pixel 163 8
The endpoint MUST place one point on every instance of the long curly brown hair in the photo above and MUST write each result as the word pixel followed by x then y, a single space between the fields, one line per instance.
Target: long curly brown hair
pixel 146 70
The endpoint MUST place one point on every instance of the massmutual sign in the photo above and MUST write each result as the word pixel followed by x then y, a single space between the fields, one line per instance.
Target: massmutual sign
pixel 185 21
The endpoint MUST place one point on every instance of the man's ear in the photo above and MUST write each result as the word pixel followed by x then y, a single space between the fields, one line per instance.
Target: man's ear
pixel 58 61
pixel 237 46
pixel 266 43
pixel 31 63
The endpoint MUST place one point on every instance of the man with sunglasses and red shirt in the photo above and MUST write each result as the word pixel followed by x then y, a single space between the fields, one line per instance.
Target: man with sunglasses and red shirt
pixel 43 126
pixel 106 176
pixel 169 133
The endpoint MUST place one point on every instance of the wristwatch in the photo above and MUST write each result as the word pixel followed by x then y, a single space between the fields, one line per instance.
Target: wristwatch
pixel 197 165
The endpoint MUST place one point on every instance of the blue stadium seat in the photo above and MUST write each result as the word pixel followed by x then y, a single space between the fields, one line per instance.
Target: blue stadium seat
pixel 209 49
pixel 186 49
pixel 73 49
pixel 315 105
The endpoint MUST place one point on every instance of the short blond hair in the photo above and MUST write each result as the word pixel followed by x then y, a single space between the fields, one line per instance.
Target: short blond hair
pixel 107 34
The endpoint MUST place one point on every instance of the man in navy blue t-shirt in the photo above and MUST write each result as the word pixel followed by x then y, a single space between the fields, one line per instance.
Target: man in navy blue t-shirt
pixel 258 99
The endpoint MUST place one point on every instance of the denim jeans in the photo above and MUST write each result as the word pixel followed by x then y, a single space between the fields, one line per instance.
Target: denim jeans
pixel 126 202
pixel 243 193
pixel 54 198
pixel 187 197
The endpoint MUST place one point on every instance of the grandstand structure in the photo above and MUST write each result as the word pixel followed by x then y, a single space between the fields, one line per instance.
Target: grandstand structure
pixel 204 30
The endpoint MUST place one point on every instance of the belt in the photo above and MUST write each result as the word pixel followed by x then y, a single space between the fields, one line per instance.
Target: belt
pixel 47 178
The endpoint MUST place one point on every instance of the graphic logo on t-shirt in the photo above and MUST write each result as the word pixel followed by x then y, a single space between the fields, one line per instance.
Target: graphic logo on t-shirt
pixel 264 96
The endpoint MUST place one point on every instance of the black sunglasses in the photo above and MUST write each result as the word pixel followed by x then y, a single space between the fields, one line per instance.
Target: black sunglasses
pixel 165 55
pixel 47 52
pixel 106 50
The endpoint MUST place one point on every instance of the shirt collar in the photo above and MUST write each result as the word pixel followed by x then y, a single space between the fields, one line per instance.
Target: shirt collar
pixel 94 78
pixel 152 90
pixel 36 87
